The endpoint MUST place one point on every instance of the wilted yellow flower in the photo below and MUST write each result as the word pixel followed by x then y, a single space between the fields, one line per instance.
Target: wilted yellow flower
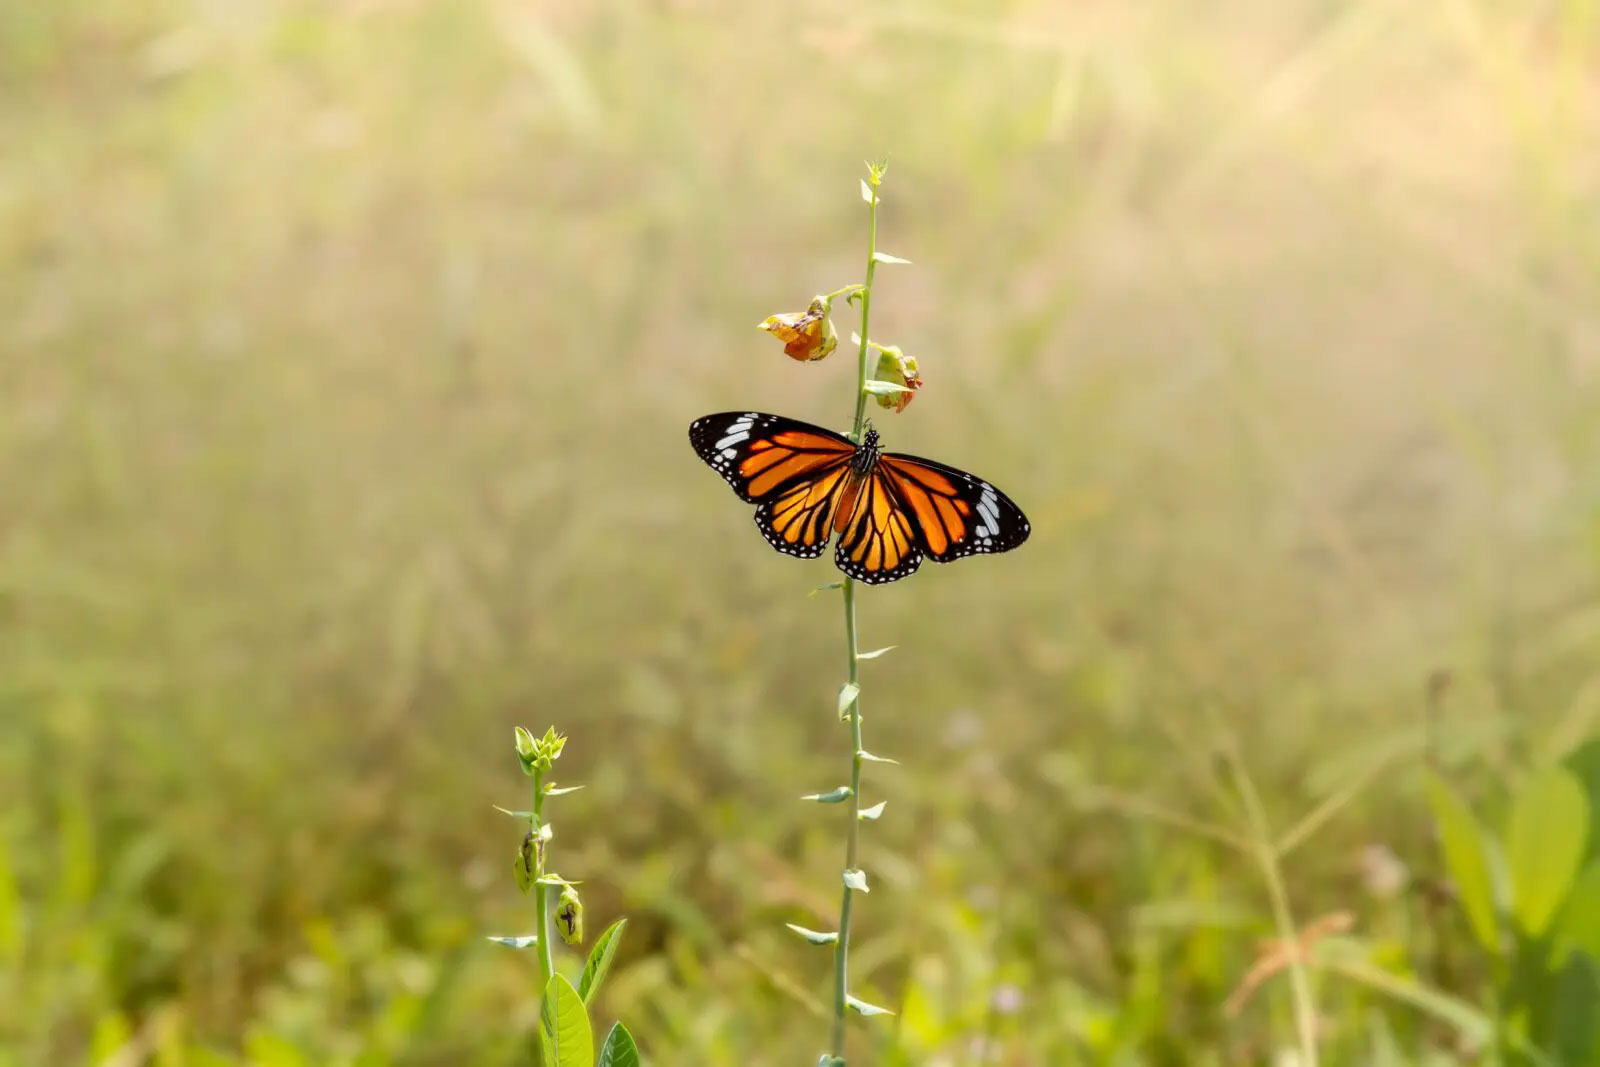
pixel 806 335
pixel 897 368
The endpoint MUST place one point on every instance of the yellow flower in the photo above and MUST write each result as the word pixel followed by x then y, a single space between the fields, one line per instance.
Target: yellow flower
pixel 897 368
pixel 806 335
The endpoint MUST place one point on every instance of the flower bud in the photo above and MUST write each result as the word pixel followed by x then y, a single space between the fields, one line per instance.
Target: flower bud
pixel 569 916
pixel 525 867
pixel 900 369
pixel 527 751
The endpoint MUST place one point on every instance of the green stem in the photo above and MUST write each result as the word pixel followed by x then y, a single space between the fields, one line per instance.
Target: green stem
pixel 1305 1009
pixel 841 950
pixel 541 898
pixel 866 314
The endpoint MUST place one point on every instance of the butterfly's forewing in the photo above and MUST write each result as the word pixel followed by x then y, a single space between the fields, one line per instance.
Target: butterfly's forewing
pixel 879 542
pixel 956 514
pixel 762 455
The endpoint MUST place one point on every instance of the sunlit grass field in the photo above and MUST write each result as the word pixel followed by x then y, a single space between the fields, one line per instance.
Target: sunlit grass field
pixel 346 354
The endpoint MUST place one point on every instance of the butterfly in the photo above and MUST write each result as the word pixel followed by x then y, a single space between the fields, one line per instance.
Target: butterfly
pixel 889 509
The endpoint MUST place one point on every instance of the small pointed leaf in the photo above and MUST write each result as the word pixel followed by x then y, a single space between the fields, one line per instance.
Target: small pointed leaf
pixel 856 879
pixel 884 257
pixel 816 937
pixel 825 588
pixel 848 692
pixel 875 653
pixel 619 1049
pixel 522 941
pixel 881 388
pixel 556 791
pixel 514 814
pixel 872 812
pixel 866 191
pixel 557 880
pixel 835 796
pixel 565 1039
pixel 599 962
pixel 869 757
pixel 863 1008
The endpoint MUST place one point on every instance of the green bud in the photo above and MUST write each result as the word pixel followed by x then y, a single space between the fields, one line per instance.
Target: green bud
pixel 526 865
pixel 527 751
pixel 569 916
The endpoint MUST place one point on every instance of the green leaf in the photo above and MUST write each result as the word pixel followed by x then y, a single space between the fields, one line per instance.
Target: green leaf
pixel 825 588
pixel 857 880
pixel 619 1049
pixel 875 653
pixel 594 971
pixel 879 388
pixel 1461 840
pixel 514 814
pixel 870 758
pixel 826 1060
pixel 816 937
pixel 837 796
pixel 1584 763
pixel 1544 846
pixel 1579 927
pixel 872 812
pixel 524 941
pixel 848 692
pixel 554 791
pixel 884 257
pixel 565 1039
pixel 863 1008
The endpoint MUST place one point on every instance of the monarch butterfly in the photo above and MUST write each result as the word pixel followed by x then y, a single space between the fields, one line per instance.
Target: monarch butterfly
pixel 889 509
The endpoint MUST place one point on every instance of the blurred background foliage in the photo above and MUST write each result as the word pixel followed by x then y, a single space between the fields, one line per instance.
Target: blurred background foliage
pixel 347 349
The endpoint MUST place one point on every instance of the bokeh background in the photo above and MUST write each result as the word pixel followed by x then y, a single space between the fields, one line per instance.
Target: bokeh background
pixel 347 350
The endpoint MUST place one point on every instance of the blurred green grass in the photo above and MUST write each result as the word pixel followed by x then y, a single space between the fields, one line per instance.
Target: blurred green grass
pixel 347 350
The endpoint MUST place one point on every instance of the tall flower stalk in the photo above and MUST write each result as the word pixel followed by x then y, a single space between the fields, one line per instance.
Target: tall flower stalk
pixel 855 880
pixel 808 337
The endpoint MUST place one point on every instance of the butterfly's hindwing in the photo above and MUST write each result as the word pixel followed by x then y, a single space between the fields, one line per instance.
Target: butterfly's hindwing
pixel 879 542
pixel 799 520
pixel 957 514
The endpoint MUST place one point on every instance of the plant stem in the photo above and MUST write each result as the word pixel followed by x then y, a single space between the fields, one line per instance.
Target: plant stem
pixel 841 949
pixel 866 315
pixel 541 899
pixel 1305 1008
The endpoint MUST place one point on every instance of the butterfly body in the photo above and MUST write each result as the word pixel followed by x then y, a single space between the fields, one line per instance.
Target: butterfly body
pixel 888 509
